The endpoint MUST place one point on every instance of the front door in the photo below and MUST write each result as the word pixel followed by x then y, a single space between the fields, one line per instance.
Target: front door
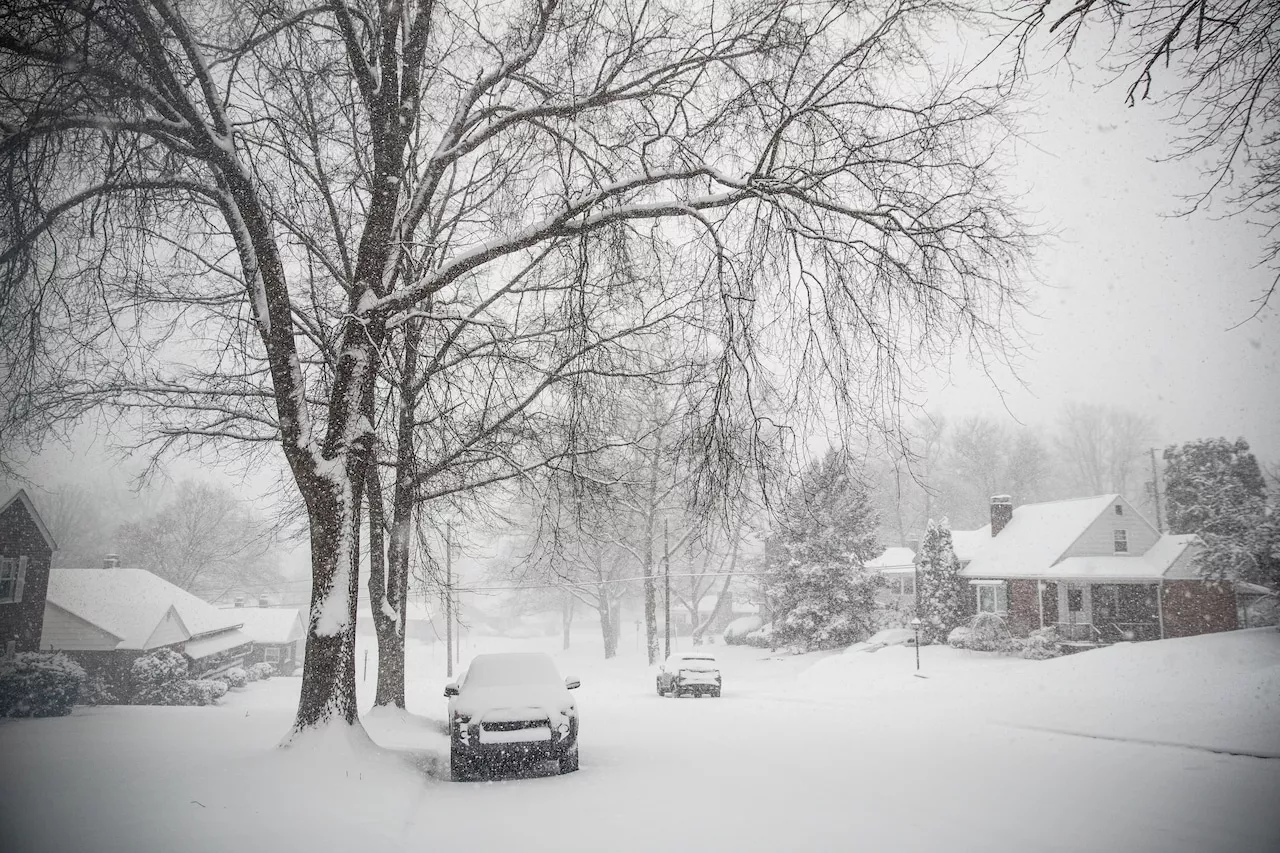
pixel 1075 610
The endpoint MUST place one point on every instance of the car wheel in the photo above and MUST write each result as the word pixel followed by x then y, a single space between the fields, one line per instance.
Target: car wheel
pixel 569 763
pixel 460 769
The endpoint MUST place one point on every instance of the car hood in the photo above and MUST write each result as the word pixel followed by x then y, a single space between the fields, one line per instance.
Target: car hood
pixel 513 704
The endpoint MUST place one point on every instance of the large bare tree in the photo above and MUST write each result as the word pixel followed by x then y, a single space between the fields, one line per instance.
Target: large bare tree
pixel 224 218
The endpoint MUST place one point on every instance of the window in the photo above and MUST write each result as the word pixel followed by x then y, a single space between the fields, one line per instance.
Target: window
pixel 9 579
pixel 1119 510
pixel 271 654
pixel 1122 541
pixel 993 598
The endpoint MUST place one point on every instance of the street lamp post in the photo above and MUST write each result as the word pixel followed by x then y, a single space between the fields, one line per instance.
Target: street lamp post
pixel 915 626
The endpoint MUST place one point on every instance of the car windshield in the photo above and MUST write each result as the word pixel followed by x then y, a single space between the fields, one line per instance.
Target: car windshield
pixel 691 659
pixel 511 670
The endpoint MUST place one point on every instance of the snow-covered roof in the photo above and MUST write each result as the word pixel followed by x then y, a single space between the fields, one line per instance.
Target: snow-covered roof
pixel 270 624
pixel 896 557
pixel 21 497
pixel 130 603
pixel 220 642
pixel 1032 545
pixel 1035 538
pixel 967 543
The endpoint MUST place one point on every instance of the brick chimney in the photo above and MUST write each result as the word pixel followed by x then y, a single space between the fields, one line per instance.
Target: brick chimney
pixel 1001 512
pixel 111 561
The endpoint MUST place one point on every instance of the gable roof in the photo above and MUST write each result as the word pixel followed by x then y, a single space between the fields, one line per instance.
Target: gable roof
pixel 967 543
pixel 270 624
pixel 21 497
pixel 130 603
pixel 1033 543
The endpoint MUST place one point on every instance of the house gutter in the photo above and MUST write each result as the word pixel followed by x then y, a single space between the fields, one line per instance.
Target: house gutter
pixel 1160 605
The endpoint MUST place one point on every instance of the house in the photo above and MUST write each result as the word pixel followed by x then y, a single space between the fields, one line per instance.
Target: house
pixel 277 634
pixel 898 566
pixel 1094 569
pixel 106 618
pixel 26 553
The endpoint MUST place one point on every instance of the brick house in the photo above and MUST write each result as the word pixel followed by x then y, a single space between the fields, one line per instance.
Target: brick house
pixel 26 552
pixel 1094 569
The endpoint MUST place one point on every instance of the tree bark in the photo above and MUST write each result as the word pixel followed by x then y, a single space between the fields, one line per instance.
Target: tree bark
pixel 607 631
pixel 329 675
pixel 566 618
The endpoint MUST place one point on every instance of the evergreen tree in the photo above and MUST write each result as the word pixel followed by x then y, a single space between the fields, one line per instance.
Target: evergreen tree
pixel 821 594
pixel 940 591
pixel 1215 489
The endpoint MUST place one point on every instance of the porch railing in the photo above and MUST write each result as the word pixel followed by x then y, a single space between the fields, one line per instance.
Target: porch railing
pixel 1107 632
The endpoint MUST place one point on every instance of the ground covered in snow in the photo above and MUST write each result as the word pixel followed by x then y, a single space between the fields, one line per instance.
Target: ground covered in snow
pixel 1170 746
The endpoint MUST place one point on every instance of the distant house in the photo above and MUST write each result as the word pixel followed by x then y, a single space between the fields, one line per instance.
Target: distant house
pixel 277 634
pixel 898 566
pixel 106 618
pixel 26 552
pixel 1094 569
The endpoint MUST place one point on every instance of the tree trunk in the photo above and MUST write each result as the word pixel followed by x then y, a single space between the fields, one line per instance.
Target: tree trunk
pixel 607 631
pixel 566 617
pixel 383 602
pixel 329 674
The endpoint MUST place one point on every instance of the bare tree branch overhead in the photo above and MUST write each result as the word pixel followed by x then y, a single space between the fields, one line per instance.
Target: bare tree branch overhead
pixel 1215 63
pixel 422 234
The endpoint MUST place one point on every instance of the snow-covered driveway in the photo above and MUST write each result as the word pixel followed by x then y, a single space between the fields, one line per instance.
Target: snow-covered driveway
pixel 835 752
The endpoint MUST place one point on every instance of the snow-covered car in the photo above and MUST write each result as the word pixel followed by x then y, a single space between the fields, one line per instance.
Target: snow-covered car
pixel 511 708
pixel 689 672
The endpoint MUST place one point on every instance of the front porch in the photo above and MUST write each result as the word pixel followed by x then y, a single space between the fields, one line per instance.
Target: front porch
pixel 1087 614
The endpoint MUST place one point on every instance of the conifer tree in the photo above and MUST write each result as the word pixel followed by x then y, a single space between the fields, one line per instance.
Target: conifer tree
pixel 820 592
pixel 940 591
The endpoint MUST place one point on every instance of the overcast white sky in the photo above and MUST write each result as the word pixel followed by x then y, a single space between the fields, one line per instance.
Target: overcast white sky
pixel 1136 304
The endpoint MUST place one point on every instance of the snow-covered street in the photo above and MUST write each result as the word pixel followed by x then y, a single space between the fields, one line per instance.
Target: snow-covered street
pixel 816 752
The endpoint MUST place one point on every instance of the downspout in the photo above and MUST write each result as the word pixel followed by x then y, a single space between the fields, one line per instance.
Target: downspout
pixel 1160 605
pixel 1040 601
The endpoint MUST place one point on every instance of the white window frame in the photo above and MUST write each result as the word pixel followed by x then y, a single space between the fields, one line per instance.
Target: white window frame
pixel 271 654
pixel 997 595
pixel 9 580
pixel 1120 540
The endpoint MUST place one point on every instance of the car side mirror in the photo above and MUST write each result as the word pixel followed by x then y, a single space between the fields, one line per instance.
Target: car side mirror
pixel 450 689
pixel 572 683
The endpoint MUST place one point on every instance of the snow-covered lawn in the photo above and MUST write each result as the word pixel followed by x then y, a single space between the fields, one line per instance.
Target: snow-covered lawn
pixel 816 752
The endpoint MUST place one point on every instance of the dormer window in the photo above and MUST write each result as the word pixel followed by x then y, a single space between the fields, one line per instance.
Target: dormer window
pixel 1122 541
pixel 1119 510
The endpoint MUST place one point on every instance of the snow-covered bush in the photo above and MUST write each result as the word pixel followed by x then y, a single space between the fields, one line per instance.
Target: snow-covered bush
pixel 1041 644
pixel 236 677
pixel 95 691
pixel 956 639
pixel 160 678
pixel 33 684
pixel 252 674
pixel 261 671
pixel 207 691
pixel 987 633
pixel 737 630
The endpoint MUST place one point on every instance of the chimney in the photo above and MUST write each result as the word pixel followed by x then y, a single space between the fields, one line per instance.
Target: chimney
pixel 1001 512
pixel 111 561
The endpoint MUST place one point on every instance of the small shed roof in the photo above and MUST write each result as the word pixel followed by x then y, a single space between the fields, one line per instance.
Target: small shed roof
pixel 270 624
pixel 967 543
pixel 130 603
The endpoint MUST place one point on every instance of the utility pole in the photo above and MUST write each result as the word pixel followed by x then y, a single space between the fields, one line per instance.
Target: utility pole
pixel 1155 489
pixel 666 572
pixel 448 599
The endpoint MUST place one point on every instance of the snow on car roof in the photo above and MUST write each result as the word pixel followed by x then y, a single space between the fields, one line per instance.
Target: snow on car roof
pixel 693 656
pixel 512 668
